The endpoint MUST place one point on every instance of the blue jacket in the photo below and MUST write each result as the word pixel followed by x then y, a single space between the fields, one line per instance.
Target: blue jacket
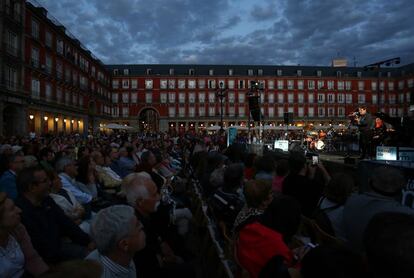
pixel 8 184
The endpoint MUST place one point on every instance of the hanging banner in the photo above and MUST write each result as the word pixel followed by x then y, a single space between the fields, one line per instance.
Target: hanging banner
pixel 231 135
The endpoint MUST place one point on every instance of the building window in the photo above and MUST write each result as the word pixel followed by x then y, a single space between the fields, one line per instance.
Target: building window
pixel 163 84
pixel 181 84
pixel 381 86
pixel 271 112
pixel 201 111
pixel 321 111
pixel 250 72
pixel 348 85
pixel 125 83
pixel 181 97
pixel 410 83
pixel 330 85
pixel 59 95
pixel 401 98
pixel 171 97
pixel 134 84
pixel 35 29
pixel 340 85
pixel 392 98
pixel 359 74
pixel 301 98
pixel 115 97
pixel 191 97
pixel 341 111
pixel 230 72
pixel 67 98
pixel 348 98
pixel 374 98
pixel 148 97
pixel 300 111
pixel 231 84
pixel 280 111
pixel 231 97
pixel 181 111
pixel 279 72
pixel 280 84
pixel 35 88
pixel 310 98
pixel 241 111
pixel 191 72
pixel 311 112
pixel 401 85
pixel 338 74
pixel 125 112
pixel 241 84
pixel 211 98
pixel 74 99
pixel 171 84
pixel 115 84
pixel 331 98
pixel 211 84
pixel 340 98
pixel 59 46
pixel 361 85
pixel 271 98
pixel 311 84
pixel 280 98
pixel 290 98
pixel 163 98
pixel 300 84
pixel 201 83
pixel 148 84
pixel 390 85
pixel 11 43
pixel 149 71
pixel 48 91
pixel 241 97
pixel 134 97
pixel 171 72
pixel 373 85
pixel 115 71
pixel 231 110
pixel 321 98
pixel 319 73
pixel 299 72
pixel 125 97
pixel 270 84
pixel 191 111
pixel 35 57
pixel 260 72
pixel 321 84
pixel 191 84
pixel 201 98
pixel 211 110
pixel 126 71
pixel 211 72
pixel 331 111
pixel 290 84
pixel 11 78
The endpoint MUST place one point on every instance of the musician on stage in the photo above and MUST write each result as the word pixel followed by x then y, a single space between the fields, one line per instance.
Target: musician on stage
pixel 364 122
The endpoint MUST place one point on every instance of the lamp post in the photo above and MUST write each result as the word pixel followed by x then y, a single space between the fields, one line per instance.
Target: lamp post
pixel 221 93
pixel 376 66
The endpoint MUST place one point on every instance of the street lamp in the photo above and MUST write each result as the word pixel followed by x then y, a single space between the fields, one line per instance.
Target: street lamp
pixel 221 93
pixel 376 66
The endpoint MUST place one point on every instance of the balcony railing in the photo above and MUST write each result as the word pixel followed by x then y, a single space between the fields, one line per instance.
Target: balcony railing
pixel 11 49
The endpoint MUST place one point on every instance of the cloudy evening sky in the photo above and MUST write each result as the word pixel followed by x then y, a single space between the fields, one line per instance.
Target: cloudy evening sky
pixel 286 32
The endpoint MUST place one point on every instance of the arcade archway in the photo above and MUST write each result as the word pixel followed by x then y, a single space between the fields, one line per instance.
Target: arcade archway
pixel 148 120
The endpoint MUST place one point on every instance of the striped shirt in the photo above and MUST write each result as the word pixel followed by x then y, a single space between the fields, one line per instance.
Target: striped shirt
pixel 110 269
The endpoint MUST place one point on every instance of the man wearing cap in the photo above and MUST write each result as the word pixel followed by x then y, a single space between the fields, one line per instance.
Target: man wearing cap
pixel 385 185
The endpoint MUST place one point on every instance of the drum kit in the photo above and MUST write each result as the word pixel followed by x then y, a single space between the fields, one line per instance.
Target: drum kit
pixel 320 141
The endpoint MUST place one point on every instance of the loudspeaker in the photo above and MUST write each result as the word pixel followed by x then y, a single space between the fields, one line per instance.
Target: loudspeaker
pixel 288 118
pixel 254 108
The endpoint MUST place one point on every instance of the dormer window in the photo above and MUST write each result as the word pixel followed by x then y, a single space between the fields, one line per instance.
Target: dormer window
pixel 191 72
pixel 149 71
pixel 171 72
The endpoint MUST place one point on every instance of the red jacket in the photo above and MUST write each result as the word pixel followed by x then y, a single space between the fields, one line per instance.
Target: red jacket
pixel 256 245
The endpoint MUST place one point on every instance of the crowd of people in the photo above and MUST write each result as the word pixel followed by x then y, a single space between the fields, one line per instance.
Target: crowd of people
pixel 119 205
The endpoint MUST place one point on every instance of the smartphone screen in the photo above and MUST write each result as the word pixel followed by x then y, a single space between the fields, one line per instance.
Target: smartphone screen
pixel 315 160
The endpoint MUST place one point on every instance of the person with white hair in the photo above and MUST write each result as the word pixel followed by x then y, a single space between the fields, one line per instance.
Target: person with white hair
pixel 118 235
pixel 157 258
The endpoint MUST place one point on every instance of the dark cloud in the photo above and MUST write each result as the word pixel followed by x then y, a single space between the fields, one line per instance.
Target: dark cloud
pixel 309 32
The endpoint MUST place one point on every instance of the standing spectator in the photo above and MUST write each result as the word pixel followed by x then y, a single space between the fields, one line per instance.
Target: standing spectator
pixel 118 236
pixel 385 185
pixel 15 163
pixel 282 170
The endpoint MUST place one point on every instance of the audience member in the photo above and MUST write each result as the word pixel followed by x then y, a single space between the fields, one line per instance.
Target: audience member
pixel 118 236
pixel 45 221
pixel 385 185
pixel 15 163
pixel 282 170
pixel 17 255
pixel 389 245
